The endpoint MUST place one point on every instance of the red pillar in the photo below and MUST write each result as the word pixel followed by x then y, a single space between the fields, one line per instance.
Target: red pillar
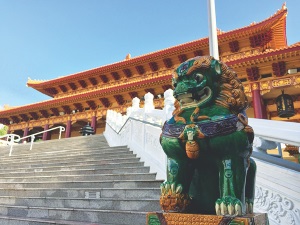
pixel 258 105
pixel 25 133
pixel 45 135
pixel 94 123
pixel 68 129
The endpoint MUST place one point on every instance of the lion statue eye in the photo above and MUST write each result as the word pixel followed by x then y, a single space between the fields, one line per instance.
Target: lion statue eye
pixel 198 77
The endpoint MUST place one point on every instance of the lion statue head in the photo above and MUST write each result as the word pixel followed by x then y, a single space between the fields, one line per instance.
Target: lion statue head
pixel 203 81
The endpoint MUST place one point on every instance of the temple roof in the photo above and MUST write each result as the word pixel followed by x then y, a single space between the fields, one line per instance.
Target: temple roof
pixel 81 97
pixel 276 22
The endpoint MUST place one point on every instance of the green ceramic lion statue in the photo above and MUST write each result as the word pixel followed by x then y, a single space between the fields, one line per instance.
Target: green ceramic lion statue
pixel 208 142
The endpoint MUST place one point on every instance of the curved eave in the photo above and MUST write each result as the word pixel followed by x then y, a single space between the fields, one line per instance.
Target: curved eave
pixel 79 97
pixel 267 23
pixel 292 48
pixel 280 15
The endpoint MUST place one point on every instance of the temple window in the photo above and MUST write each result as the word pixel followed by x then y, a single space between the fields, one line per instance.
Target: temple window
pixel 153 66
pixel 34 115
pixel 24 117
pixel 44 113
pixel 104 78
pixel 182 58
pixel 92 104
pixel 93 81
pixel 67 109
pixel 279 68
pixel 73 86
pixel 133 94
pixel 260 40
pixel 119 98
pixel 115 75
pixel 63 88
pixel 51 91
pixel 82 83
pixel 168 62
pixel 253 73
pixel 234 46
pixel 55 111
pixel 140 69
pixel 127 72
pixel 105 102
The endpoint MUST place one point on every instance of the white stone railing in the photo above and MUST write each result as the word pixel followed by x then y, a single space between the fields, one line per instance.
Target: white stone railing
pixel 277 182
pixel 140 129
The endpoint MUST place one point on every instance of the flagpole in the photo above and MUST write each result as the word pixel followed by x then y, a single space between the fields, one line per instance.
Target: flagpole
pixel 212 28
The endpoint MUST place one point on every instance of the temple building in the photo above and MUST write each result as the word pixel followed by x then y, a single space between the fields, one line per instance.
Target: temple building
pixel 258 53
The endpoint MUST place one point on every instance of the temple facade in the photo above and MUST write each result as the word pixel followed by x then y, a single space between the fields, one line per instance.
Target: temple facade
pixel 258 53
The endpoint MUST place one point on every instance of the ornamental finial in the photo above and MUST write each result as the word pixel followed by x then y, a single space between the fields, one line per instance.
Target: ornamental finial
pixel 283 6
pixel 128 56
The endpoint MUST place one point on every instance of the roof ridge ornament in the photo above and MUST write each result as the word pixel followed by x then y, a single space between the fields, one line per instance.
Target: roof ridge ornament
pixel 284 6
pixel 128 56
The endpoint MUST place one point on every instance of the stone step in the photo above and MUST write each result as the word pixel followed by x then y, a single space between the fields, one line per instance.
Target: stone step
pixel 9 220
pixel 82 215
pixel 112 165
pixel 78 181
pixel 83 184
pixel 74 178
pixel 64 153
pixel 77 172
pixel 71 163
pixel 78 158
pixel 84 203
pixel 128 193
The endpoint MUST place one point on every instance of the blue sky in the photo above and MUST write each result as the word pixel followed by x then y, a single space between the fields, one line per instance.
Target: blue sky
pixel 45 39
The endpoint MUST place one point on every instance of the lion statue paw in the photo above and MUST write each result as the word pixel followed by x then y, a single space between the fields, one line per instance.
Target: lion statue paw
pixel 229 206
pixel 172 199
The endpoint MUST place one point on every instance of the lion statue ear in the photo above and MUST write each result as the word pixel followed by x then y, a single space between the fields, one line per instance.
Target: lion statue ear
pixel 216 67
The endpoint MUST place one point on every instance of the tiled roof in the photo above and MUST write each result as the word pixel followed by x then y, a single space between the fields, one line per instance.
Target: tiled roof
pixel 165 52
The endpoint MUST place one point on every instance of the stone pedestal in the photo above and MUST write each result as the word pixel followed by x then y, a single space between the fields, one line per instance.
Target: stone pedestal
pixel 155 218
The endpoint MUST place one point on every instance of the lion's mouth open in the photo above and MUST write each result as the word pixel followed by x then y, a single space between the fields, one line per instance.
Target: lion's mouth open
pixel 188 100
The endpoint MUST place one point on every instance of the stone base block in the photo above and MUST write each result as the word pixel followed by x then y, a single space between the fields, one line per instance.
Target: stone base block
pixel 156 218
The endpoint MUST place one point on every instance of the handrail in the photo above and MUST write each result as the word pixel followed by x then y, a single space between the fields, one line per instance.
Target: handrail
pixel 32 136
pixel 132 118
pixel 10 139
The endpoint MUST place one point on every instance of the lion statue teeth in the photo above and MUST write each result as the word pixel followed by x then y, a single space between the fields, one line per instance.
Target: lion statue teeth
pixel 208 142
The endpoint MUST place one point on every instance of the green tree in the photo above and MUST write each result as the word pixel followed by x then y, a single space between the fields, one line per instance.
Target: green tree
pixel 3 129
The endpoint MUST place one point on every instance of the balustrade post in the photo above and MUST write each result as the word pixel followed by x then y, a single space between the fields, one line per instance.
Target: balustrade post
pixel 149 105
pixel 258 105
pixel 135 103
pixel 169 103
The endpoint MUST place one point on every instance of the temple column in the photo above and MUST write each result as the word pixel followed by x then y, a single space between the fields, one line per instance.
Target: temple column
pixel 68 128
pixel 25 133
pixel 258 105
pixel 45 135
pixel 94 123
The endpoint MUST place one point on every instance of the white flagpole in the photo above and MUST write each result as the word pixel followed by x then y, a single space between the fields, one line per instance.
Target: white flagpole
pixel 212 27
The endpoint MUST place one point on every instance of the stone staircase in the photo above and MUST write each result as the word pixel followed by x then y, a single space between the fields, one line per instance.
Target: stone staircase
pixel 78 181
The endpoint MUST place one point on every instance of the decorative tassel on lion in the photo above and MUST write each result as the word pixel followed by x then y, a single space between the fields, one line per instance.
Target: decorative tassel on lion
pixel 208 142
